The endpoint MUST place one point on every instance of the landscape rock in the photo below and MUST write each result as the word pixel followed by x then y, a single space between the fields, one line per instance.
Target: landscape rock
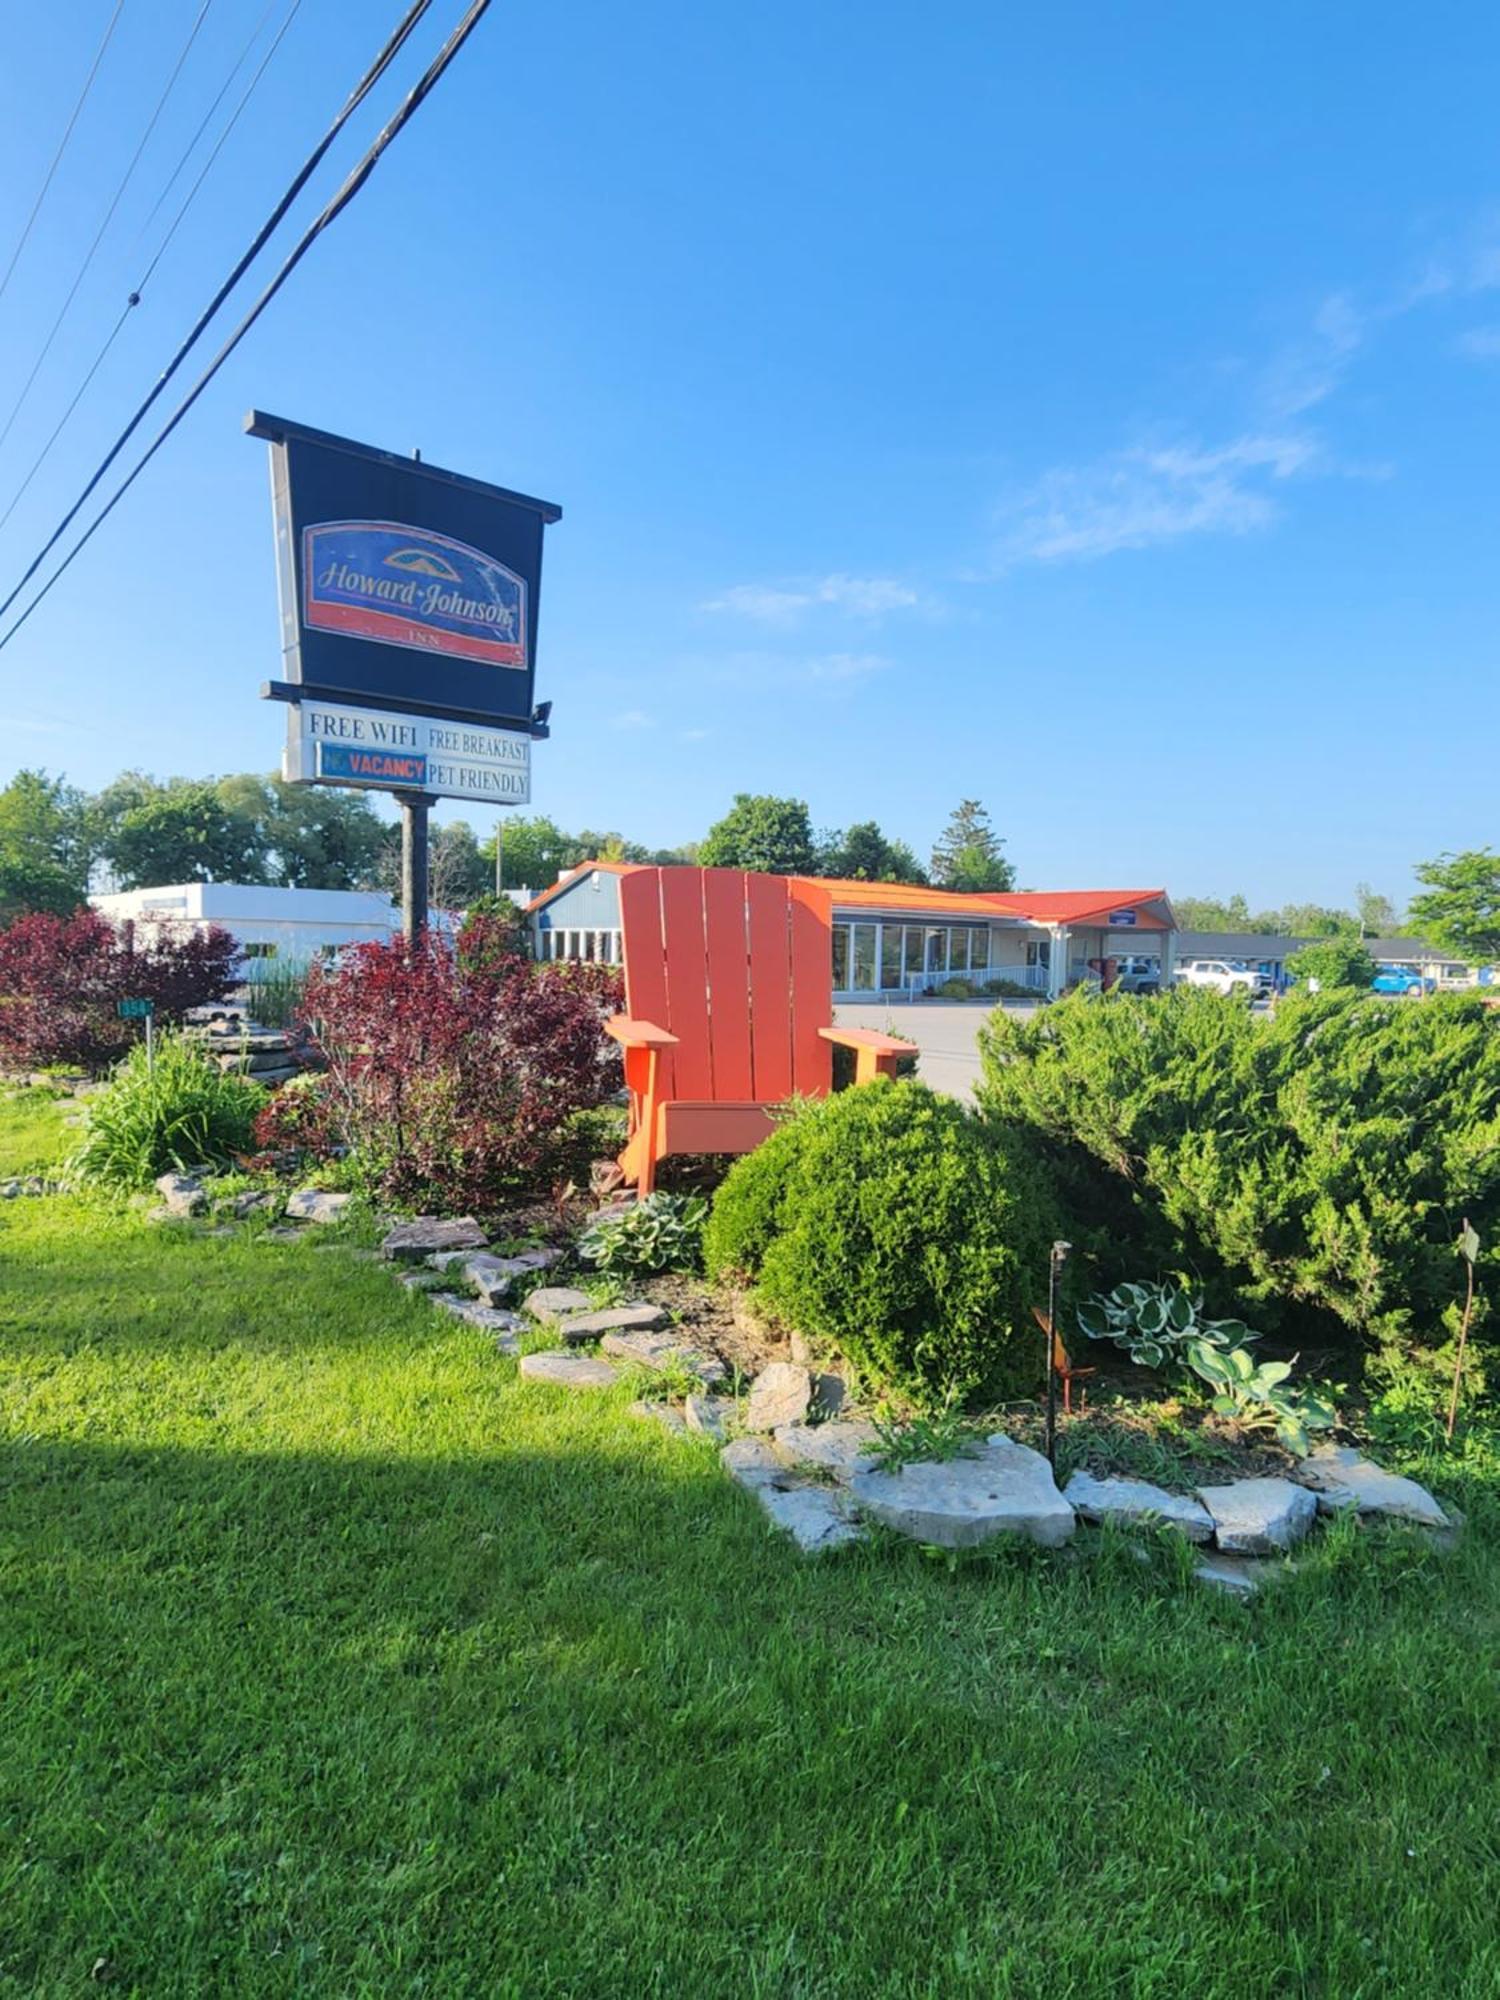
pixel 252 1201
pixel 1136 1503
pixel 670 1420
pixel 1234 1575
pixel 569 1371
pixel 816 1517
pixel 781 1394
pixel 1345 1476
pixel 550 1303
pixel 840 1448
pixel 661 1351
pixel 489 1319
pixel 492 1277
pixel 639 1318
pixel 1259 1517
pixel 751 1462
pixel 415 1240
pixel 181 1194
pixel 316 1205
pixel 1002 1488
pixel 709 1415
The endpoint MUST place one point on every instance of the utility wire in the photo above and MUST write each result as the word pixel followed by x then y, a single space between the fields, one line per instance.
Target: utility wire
pixel 135 297
pixel 418 94
pixel 397 41
pixel 62 146
pixel 109 215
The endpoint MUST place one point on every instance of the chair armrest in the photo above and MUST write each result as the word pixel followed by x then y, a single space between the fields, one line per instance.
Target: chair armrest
pixel 632 1034
pixel 868 1038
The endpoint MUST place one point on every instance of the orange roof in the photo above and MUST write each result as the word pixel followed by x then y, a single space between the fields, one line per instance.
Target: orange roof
pixel 1039 906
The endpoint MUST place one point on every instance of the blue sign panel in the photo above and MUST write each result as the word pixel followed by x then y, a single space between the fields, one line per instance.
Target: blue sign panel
pixel 410 587
pixel 1124 919
pixel 352 764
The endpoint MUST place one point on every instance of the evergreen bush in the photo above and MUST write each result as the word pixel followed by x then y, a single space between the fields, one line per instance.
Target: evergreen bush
pixel 890 1222
pixel 178 1113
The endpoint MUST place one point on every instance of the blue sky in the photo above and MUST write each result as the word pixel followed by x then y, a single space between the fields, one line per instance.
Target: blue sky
pixel 1088 409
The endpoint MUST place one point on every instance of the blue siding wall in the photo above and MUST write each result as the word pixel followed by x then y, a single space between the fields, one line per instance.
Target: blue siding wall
pixel 592 903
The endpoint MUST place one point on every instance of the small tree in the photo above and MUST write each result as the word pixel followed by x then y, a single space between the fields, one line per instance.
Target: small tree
pixel 44 862
pixel 766 836
pixel 863 854
pixel 1459 908
pixel 182 831
pixel 968 855
pixel 1333 962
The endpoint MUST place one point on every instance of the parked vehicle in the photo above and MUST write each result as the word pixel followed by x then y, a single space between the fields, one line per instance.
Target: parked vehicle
pixel 1222 975
pixel 1402 979
pixel 1136 973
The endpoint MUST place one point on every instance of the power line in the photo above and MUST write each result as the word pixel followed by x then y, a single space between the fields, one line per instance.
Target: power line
pixel 396 42
pixel 134 299
pixel 62 146
pixel 109 215
pixel 418 94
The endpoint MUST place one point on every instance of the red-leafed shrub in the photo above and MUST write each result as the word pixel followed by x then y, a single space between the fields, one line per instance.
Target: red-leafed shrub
pixel 61 979
pixel 451 1071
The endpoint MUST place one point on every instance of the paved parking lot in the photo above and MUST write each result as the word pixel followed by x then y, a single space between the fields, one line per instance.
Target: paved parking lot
pixel 944 1030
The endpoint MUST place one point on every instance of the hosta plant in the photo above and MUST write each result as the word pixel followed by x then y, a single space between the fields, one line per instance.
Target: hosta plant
pixel 1156 1323
pixel 664 1232
pixel 1256 1397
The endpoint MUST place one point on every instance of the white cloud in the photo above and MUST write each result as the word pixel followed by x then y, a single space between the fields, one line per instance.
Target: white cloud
pixel 1482 342
pixel 1140 498
pixel 859 596
pixel 633 718
pixel 845 666
pixel 758 669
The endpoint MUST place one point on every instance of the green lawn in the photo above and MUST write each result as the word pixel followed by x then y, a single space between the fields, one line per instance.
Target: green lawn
pixel 333 1661
pixel 33 1134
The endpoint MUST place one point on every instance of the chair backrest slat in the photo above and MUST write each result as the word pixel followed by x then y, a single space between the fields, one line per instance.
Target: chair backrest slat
pixel 738 967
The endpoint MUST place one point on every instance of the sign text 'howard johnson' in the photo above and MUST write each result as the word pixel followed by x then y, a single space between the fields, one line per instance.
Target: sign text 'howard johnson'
pixel 406 590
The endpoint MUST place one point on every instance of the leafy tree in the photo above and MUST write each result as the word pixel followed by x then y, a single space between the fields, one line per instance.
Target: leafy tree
pixel 1215 913
pixel 1378 915
pixel 1333 962
pixel 1211 913
pixel 968 854
pixel 1315 920
pixel 863 854
pixel 178 832
pixel 534 850
pixel 44 859
pixel 311 836
pixel 1459 907
pixel 766 836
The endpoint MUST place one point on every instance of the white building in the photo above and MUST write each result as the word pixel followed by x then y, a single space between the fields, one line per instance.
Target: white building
pixel 292 925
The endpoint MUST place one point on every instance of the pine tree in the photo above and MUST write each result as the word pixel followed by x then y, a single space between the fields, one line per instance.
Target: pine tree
pixel 969 856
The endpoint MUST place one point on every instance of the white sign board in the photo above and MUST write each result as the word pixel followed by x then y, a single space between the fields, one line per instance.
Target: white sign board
pixel 328 744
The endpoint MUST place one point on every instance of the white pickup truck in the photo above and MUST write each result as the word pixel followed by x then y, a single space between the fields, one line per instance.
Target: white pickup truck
pixel 1223 975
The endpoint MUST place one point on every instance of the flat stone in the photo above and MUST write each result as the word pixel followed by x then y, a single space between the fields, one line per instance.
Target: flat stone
pixel 670 1420
pixel 816 1517
pixel 1259 1517
pixel 492 1277
pixel 181 1194
pixel 1342 1474
pixel 1003 1488
pixel 253 1201
pixel 660 1351
pixel 840 1448
pixel 550 1303
pixel 316 1205
pixel 709 1415
pixel 752 1463
pixel 414 1240
pixel 1136 1503
pixel 489 1319
pixel 613 1319
pixel 569 1371
pixel 1234 1575
pixel 780 1394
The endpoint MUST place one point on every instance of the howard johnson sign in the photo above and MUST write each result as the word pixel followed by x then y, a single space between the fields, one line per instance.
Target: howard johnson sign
pixel 406 590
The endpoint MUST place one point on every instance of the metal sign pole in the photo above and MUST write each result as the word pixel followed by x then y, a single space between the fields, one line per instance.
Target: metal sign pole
pixel 151 1041
pixel 414 807
pixel 1054 1272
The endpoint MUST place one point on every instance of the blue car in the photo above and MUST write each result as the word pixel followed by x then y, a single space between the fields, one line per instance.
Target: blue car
pixel 1402 979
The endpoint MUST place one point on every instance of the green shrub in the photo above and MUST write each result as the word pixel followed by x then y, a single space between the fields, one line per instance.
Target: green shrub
pixel 1318 1161
pixel 890 1222
pixel 661 1232
pixel 181 1113
pixel 1010 989
pixel 957 989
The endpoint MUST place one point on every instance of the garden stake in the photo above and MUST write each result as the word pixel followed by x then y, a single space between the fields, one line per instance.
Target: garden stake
pixel 1054 1272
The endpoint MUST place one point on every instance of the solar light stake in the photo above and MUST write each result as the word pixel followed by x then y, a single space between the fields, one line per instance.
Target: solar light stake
pixel 1054 1273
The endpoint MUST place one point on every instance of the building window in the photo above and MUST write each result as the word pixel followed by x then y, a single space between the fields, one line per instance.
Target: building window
pixel 258 950
pixel 864 957
pixel 841 958
pixel 1039 952
pixel 890 957
pixel 911 952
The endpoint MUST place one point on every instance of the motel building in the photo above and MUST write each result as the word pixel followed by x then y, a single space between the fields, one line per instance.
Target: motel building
pixel 892 940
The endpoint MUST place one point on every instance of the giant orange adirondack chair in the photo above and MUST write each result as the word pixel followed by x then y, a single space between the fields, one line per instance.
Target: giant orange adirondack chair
pixel 729 1009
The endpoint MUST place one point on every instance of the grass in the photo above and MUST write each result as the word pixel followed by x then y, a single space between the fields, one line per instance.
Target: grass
pixel 33 1135
pixel 337 1661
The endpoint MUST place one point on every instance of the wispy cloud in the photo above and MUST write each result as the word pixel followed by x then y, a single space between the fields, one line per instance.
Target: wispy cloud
pixel 785 604
pixel 1481 342
pixel 760 669
pixel 633 718
pixel 1140 498
pixel 1307 370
